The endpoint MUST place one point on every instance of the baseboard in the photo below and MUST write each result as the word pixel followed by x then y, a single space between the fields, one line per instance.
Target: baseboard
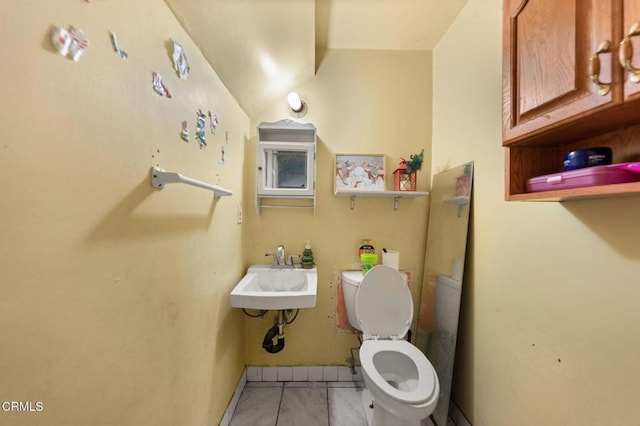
pixel 456 415
pixel 326 373
pixel 231 408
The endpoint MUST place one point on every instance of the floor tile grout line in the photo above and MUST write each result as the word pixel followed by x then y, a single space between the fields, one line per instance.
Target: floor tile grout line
pixel 328 407
pixel 279 404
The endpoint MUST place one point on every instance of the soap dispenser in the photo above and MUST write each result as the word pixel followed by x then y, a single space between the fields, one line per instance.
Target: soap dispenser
pixel 307 256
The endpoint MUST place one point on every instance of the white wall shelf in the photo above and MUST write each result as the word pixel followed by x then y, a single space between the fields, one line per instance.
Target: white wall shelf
pixel 396 195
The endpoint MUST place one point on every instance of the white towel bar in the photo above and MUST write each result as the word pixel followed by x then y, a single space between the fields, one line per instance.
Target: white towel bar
pixel 159 178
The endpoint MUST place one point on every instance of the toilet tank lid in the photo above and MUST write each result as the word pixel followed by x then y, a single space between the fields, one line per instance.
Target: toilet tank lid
pixel 353 278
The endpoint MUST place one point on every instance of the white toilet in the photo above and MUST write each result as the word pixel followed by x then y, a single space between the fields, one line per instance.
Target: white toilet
pixel 398 377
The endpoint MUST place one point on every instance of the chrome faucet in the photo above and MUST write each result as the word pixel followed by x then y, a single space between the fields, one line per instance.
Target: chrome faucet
pixel 280 259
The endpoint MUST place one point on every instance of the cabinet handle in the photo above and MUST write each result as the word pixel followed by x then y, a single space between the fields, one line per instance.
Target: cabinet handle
pixel 626 53
pixel 594 63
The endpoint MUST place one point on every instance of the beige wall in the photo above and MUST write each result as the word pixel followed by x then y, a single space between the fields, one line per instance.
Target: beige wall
pixel 113 295
pixel 550 311
pixel 114 304
pixel 361 102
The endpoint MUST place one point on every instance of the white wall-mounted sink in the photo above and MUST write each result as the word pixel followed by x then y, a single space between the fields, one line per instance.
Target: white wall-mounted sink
pixel 264 287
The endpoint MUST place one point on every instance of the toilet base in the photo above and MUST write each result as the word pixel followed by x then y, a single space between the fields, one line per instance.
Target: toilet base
pixel 378 416
pixel 367 401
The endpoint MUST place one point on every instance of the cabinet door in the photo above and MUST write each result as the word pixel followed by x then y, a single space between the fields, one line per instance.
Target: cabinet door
pixel 630 48
pixel 286 169
pixel 549 57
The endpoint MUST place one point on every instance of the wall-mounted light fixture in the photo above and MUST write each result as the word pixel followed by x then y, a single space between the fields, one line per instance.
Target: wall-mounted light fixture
pixel 297 105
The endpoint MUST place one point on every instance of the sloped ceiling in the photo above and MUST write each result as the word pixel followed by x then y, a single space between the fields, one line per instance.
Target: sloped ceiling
pixel 262 49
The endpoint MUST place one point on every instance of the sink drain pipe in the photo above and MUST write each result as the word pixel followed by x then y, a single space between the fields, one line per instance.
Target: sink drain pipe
pixel 277 329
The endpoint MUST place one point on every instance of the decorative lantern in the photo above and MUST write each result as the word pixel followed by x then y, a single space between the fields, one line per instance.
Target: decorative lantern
pixel 404 180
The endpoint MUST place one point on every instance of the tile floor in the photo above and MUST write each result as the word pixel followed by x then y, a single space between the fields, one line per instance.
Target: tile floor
pixel 301 403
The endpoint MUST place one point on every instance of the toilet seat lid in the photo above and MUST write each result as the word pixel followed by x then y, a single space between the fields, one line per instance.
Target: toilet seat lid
pixel 384 307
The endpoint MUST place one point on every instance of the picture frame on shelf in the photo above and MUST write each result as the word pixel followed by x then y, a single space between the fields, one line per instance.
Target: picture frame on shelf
pixel 359 173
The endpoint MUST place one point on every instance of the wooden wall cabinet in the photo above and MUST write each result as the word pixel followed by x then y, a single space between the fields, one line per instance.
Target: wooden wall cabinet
pixel 565 87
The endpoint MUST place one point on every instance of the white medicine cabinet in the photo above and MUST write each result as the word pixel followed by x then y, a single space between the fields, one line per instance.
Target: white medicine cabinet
pixel 285 165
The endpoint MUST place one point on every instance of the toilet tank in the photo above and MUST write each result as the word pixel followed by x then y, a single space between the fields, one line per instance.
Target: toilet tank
pixel 351 280
pixel 447 304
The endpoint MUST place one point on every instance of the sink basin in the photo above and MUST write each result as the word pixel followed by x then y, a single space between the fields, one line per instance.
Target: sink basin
pixel 264 287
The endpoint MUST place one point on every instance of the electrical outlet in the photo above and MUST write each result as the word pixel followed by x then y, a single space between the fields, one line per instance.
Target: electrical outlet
pixel 239 214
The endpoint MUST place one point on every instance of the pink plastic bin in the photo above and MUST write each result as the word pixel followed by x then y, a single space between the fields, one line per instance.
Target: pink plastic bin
pixel 589 176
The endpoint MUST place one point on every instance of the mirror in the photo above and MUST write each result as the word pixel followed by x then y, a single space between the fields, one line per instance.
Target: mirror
pixel 443 270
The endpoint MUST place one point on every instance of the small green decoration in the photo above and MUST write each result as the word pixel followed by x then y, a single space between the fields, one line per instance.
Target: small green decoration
pixel 415 162
pixel 200 133
pixel 307 257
